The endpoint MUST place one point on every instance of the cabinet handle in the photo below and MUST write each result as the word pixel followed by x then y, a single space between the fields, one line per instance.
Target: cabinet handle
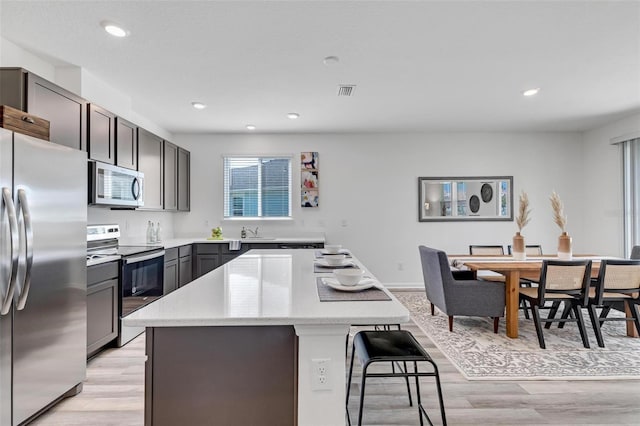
pixel 28 119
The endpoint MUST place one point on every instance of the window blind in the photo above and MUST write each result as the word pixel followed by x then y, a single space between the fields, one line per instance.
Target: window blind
pixel 257 186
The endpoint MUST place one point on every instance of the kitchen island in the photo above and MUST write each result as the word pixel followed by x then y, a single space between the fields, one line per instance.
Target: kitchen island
pixel 239 345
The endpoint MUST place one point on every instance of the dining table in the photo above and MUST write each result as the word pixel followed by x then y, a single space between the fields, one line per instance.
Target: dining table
pixel 513 270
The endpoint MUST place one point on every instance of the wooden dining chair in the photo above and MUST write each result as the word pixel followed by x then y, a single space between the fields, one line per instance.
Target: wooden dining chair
pixel 618 281
pixel 484 250
pixel 529 250
pixel 560 281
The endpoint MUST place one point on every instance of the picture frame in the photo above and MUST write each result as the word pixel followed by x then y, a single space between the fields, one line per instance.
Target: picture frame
pixel 465 198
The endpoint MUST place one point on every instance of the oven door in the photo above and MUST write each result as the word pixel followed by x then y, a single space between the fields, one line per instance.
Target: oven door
pixel 142 280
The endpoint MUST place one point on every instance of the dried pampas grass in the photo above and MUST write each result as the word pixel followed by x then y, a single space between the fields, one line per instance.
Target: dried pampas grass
pixel 558 211
pixel 523 212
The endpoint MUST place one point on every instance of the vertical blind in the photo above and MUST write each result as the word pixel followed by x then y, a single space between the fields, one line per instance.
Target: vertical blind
pixel 257 186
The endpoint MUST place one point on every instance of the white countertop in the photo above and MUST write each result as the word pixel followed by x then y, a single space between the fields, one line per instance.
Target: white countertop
pixel 176 242
pixel 262 287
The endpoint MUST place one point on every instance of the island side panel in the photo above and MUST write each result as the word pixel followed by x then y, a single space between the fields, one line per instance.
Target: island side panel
pixel 221 375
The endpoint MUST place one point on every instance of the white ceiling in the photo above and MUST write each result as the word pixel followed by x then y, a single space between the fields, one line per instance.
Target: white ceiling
pixel 418 65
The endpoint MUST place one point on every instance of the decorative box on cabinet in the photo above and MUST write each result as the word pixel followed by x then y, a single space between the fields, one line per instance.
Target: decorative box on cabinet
pixel 65 111
pixel 21 122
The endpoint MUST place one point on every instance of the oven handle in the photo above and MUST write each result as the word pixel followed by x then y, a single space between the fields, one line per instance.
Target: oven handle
pixel 137 259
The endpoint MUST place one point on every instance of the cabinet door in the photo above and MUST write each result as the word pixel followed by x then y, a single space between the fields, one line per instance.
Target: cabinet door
pixel 206 263
pixel 65 111
pixel 185 266
pixel 126 144
pixel 151 164
pixel 170 176
pixel 101 135
pixel 102 314
pixel 170 276
pixel 184 180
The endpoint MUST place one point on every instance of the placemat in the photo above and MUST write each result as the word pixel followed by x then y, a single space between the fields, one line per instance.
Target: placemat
pixel 327 294
pixel 320 255
pixel 318 269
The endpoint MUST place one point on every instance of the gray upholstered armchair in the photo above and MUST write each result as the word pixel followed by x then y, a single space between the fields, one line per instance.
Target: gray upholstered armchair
pixel 459 297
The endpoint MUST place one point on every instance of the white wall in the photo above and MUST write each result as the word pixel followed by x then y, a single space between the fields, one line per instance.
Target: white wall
pixel 368 189
pixel 133 224
pixel 603 210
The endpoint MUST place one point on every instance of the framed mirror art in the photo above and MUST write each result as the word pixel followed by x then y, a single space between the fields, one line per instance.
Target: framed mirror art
pixel 444 199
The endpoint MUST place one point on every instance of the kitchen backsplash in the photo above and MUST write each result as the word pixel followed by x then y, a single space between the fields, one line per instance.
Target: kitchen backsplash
pixel 133 223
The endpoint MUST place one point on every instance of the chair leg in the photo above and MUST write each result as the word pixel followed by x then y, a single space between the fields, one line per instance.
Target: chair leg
pixel 496 322
pixel 361 409
pixel 523 306
pixel 433 310
pixel 415 370
pixel 552 314
pixel 603 313
pixel 595 323
pixel 583 330
pixel 406 379
pixel 565 314
pixel 450 322
pixel 634 313
pixel 536 319
pixel 353 355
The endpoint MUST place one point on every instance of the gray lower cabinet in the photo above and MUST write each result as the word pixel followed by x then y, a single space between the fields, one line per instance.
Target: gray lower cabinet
pixel 207 258
pixel 171 274
pixel 185 265
pixel 102 305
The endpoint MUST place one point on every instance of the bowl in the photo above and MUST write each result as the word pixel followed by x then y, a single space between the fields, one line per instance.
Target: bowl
pixel 334 259
pixel 349 277
pixel 332 248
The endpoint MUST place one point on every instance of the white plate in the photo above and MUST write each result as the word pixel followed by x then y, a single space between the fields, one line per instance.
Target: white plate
pixel 324 264
pixel 364 284
pixel 341 251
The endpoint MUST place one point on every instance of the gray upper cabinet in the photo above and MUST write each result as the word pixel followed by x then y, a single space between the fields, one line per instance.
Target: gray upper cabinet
pixel 150 162
pixel 101 134
pixel 126 144
pixel 184 180
pixel 170 176
pixel 66 112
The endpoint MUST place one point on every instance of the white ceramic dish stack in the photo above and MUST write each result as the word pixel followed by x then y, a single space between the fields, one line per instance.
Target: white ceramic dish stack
pixel 349 277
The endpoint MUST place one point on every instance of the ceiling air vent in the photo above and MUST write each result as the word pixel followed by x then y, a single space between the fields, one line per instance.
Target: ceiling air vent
pixel 346 89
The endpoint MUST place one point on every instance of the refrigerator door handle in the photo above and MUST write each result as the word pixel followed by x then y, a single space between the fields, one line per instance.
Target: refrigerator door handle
pixel 28 230
pixel 13 237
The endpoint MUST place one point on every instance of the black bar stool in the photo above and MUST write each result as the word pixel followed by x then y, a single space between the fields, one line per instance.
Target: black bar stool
pixel 392 346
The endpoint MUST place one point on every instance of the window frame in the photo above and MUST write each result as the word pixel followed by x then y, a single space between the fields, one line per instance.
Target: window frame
pixel 226 182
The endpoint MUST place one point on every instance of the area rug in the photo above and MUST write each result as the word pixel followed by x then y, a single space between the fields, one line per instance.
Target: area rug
pixel 479 354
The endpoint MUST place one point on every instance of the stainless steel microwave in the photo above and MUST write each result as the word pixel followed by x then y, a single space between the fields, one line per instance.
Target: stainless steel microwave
pixel 111 185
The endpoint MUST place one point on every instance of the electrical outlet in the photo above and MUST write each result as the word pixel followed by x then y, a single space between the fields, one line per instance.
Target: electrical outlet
pixel 344 223
pixel 321 376
pixel 400 266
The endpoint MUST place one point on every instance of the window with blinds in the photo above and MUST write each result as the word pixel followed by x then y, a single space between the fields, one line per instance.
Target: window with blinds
pixel 257 187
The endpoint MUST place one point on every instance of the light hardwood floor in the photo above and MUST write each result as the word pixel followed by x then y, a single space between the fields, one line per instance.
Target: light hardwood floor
pixel 113 395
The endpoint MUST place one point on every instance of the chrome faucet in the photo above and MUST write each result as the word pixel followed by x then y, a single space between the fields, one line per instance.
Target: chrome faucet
pixel 253 233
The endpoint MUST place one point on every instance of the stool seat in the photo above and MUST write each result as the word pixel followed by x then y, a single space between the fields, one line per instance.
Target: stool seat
pixel 393 347
pixel 398 344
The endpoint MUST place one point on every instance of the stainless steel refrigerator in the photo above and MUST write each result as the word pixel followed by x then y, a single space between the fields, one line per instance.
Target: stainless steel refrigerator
pixel 43 218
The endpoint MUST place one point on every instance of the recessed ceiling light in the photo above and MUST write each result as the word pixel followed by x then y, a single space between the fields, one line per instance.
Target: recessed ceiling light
pixel 198 105
pixel 293 115
pixel 251 127
pixel 114 29
pixel 331 60
pixel 531 92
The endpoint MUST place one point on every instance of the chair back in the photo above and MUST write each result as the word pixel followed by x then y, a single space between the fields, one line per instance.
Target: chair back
pixel 618 276
pixel 635 252
pixel 486 250
pixel 530 250
pixel 565 277
pixel 436 273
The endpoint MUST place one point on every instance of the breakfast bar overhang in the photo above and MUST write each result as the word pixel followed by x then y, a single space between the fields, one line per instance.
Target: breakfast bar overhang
pixel 240 343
